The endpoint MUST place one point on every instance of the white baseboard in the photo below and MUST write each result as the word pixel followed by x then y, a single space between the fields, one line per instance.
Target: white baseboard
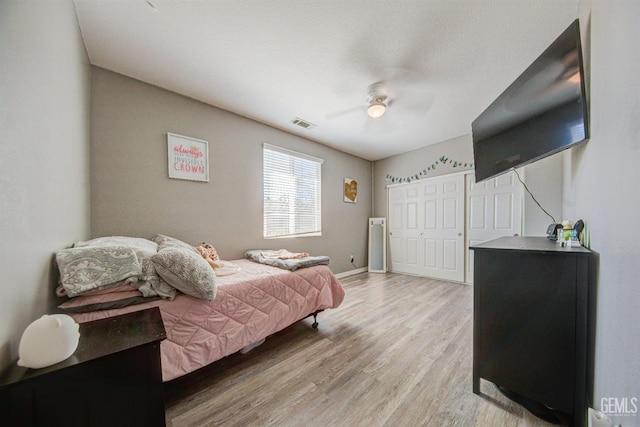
pixel 351 273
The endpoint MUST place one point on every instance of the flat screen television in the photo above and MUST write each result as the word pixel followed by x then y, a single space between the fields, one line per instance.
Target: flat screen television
pixel 542 112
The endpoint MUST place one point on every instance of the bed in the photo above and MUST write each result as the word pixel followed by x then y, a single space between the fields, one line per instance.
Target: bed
pixel 249 305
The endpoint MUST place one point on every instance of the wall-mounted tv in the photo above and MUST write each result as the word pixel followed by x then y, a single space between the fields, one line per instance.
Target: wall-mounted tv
pixel 541 113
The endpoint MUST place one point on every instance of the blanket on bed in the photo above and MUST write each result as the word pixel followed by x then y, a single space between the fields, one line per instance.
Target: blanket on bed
pixel 250 305
pixel 286 260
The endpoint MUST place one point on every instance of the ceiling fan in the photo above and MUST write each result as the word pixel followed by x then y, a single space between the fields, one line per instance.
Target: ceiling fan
pixel 377 103
pixel 405 95
pixel 377 100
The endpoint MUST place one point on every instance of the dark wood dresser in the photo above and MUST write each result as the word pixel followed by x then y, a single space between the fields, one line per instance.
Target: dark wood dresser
pixel 114 378
pixel 531 317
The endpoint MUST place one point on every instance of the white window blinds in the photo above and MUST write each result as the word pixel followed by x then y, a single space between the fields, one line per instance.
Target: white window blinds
pixel 292 189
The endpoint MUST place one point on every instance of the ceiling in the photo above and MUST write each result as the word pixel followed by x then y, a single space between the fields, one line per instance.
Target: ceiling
pixel 440 62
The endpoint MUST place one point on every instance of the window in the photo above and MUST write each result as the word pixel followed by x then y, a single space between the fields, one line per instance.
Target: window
pixel 292 188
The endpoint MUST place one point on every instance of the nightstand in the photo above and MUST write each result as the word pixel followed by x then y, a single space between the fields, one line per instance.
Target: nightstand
pixel 114 378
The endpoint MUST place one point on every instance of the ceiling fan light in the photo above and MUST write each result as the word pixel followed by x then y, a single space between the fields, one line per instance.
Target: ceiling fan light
pixel 376 109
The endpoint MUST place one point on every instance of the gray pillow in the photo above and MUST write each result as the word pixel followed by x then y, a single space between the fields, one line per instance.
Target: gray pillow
pixel 142 246
pixel 171 242
pixel 186 271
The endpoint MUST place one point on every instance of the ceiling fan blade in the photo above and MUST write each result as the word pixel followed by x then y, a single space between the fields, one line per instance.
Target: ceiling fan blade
pixel 404 77
pixel 418 103
pixel 346 112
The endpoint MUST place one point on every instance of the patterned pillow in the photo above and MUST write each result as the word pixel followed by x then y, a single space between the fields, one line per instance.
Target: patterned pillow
pixel 87 269
pixel 148 281
pixel 186 271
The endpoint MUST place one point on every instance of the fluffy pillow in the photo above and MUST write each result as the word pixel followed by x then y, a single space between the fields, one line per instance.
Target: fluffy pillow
pixel 186 271
pixel 171 242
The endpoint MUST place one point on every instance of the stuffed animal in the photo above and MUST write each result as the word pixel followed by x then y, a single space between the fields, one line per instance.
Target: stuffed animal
pixel 48 340
pixel 210 254
pixel 221 268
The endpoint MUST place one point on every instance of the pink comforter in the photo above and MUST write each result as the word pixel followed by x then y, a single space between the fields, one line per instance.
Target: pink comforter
pixel 249 306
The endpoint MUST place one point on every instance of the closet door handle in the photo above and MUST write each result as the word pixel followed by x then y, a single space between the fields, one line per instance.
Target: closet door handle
pixel 459 234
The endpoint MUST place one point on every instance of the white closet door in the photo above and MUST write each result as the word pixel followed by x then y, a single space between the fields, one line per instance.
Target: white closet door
pixel 426 228
pixel 403 228
pixel 494 209
pixel 442 235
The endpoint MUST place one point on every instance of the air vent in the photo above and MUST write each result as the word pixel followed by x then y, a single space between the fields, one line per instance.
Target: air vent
pixel 302 123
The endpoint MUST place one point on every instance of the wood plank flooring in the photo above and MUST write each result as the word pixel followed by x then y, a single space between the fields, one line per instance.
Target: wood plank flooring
pixel 397 352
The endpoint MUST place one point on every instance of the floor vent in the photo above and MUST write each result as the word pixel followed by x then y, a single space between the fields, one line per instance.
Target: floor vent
pixel 302 123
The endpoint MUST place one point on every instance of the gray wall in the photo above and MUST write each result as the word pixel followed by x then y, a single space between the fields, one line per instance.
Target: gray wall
pixel 44 156
pixel 601 186
pixel 131 193
pixel 544 179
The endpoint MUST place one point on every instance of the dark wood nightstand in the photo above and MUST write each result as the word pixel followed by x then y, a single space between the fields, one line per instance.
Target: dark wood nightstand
pixel 114 378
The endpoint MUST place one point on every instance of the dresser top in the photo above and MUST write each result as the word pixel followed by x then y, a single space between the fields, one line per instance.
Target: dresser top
pixel 529 244
pixel 100 338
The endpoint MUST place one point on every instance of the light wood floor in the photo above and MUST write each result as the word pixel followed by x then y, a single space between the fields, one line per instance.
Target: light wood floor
pixel 397 352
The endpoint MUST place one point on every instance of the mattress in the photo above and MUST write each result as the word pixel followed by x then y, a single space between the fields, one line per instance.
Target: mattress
pixel 250 305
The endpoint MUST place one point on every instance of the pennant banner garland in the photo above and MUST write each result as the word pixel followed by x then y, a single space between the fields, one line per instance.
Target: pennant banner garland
pixel 444 160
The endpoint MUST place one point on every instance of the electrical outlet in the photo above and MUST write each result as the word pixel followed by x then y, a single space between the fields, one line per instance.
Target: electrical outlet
pixel 351 258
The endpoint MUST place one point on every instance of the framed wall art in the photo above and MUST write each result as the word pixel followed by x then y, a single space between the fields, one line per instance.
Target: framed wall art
pixel 350 190
pixel 188 158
